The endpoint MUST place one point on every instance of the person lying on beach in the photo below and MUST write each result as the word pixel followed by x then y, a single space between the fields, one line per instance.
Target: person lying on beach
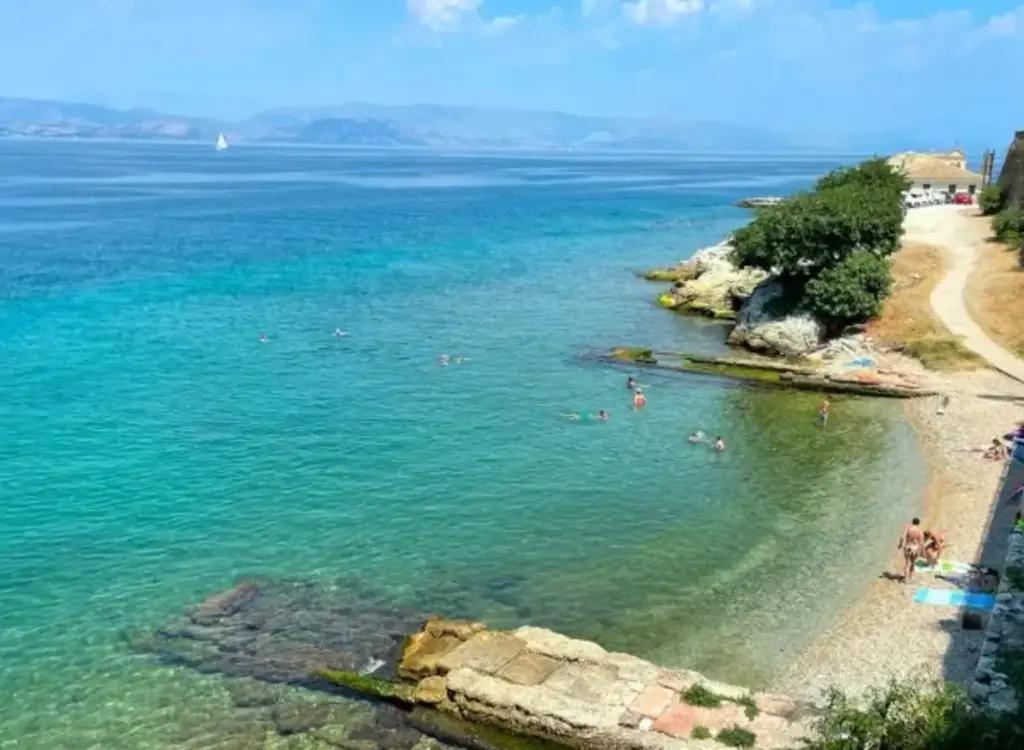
pixel 933 547
pixel 639 399
pixel 911 542
pixel 719 445
pixel 995 452
pixel 697 437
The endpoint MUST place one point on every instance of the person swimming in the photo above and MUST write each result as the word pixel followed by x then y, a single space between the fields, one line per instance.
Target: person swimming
pixel 719 445
pixel 444 360
pixel 338 333
pixel 582 416
pixel 631 383
pixel 697 437
pixel 639 399
pixel 264 338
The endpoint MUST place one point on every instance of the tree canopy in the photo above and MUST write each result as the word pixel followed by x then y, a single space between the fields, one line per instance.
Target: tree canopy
pixel 831 245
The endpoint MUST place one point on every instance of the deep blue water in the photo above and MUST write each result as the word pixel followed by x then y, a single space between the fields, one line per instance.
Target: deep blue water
pixel 153 448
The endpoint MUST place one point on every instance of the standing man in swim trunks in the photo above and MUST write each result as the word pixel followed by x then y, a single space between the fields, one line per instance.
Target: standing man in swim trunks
pixel 912 544
pixel 823 412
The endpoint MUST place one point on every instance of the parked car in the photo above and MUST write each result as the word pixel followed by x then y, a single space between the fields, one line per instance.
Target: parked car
pixel 963 199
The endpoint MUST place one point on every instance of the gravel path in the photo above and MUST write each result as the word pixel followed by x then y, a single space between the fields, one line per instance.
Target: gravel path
pixel 949 228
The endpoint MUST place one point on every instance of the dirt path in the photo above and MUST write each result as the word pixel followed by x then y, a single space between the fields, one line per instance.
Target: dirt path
pixel 951 228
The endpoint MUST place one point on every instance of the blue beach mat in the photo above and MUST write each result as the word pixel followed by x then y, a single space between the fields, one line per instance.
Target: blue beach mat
pixel 949 598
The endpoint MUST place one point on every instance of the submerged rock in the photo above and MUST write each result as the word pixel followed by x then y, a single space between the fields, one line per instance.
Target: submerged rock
pixel 767 324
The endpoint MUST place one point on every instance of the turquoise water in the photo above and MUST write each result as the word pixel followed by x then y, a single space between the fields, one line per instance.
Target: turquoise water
pixel 153 448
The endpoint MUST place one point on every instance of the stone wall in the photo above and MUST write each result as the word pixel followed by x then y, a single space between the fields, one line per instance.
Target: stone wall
pixel 1004 636
pixel 1011 177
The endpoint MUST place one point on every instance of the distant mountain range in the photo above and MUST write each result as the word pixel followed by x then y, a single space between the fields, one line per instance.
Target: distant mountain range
pixel 420 125
pixel 377 125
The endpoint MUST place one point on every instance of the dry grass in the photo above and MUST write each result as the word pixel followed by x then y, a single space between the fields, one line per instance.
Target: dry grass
pixel 995 293
pixel 907 321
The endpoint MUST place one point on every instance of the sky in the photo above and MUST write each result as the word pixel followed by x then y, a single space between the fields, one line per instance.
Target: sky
pixel 951 70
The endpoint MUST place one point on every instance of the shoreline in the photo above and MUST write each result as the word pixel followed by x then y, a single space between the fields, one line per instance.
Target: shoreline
pixel 883 634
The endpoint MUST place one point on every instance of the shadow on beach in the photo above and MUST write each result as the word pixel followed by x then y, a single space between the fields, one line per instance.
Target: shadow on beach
pixel 1001 515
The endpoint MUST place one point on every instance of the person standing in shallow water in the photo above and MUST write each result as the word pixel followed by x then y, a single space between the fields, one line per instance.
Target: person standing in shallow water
pixel 823 411
pixel 639 399
pixel 912 544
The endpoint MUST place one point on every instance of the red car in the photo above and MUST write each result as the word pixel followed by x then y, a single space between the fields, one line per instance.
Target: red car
pixel 963 199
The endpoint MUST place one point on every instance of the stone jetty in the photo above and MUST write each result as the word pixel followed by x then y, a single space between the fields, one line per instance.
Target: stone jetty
pixel 539 684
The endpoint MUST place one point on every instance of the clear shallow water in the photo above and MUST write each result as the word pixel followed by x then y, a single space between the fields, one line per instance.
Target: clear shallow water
pixel 153 449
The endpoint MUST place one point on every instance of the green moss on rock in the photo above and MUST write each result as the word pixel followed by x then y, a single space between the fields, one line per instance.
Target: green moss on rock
pixel 393 692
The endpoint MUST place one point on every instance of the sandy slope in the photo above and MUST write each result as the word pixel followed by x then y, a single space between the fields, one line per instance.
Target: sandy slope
pixel 951 229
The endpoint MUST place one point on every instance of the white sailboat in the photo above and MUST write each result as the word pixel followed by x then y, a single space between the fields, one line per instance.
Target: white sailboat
pixel 222 142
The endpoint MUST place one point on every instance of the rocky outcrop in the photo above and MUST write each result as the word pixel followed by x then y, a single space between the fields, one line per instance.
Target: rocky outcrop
pixel 1011 177
pixel 543 685
pixel 765 324
pixel 709 283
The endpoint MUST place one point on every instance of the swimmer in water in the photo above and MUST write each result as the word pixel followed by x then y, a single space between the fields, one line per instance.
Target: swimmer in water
pixel 602 415
pixel 639 399
pixel 719 445
pixel 264 338
pixel 631 383
pixel 338 333
pixel 443 360
pixel 697 437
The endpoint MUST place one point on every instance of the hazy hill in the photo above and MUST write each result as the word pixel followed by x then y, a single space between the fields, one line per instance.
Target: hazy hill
pixel 361 124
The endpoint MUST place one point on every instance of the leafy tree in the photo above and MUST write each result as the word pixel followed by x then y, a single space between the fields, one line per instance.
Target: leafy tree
pixel 801 237
pixel 875 173
pixel 990 199
pixel 850 291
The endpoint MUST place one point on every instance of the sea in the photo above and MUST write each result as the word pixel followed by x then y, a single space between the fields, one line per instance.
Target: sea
pixel 220 365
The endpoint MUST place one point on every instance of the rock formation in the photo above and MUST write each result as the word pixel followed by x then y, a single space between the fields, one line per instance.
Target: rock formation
pixel 709 283
pixel 764 325
pixel 543 685
pixel 1011 177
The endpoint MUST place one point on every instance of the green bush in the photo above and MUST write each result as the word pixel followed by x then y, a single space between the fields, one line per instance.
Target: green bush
pixel 701 733
pixel 849 291
pixel 811 232
pixel 737 737
pixel 990 199
pixel 1008 225
pixel 698 695
pixel 906 716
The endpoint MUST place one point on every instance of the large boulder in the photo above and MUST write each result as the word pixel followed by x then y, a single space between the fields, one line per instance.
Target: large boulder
pixel 766 325
pixel 713 284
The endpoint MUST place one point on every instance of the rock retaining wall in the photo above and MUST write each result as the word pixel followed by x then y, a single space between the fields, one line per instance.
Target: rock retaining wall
pixel 1004 636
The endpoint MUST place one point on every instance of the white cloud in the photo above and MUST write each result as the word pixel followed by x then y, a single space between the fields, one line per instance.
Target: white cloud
pixel 662 12
pixel 1008 24
pixel 501 24
pixel 443 15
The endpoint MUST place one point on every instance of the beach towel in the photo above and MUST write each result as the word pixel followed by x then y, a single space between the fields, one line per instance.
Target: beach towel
pixel 944 567
pixel 949 598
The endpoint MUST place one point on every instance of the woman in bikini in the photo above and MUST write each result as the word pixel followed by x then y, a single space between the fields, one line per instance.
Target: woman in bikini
pixel 911 542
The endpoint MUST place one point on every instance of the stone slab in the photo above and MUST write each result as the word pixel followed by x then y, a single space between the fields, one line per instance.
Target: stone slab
pixel 558 646
pixel 486 652
pixel 653 701
pixel 423 654
pixel 529 669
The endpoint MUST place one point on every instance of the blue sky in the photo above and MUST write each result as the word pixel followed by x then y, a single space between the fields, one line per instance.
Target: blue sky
pixel 948 69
